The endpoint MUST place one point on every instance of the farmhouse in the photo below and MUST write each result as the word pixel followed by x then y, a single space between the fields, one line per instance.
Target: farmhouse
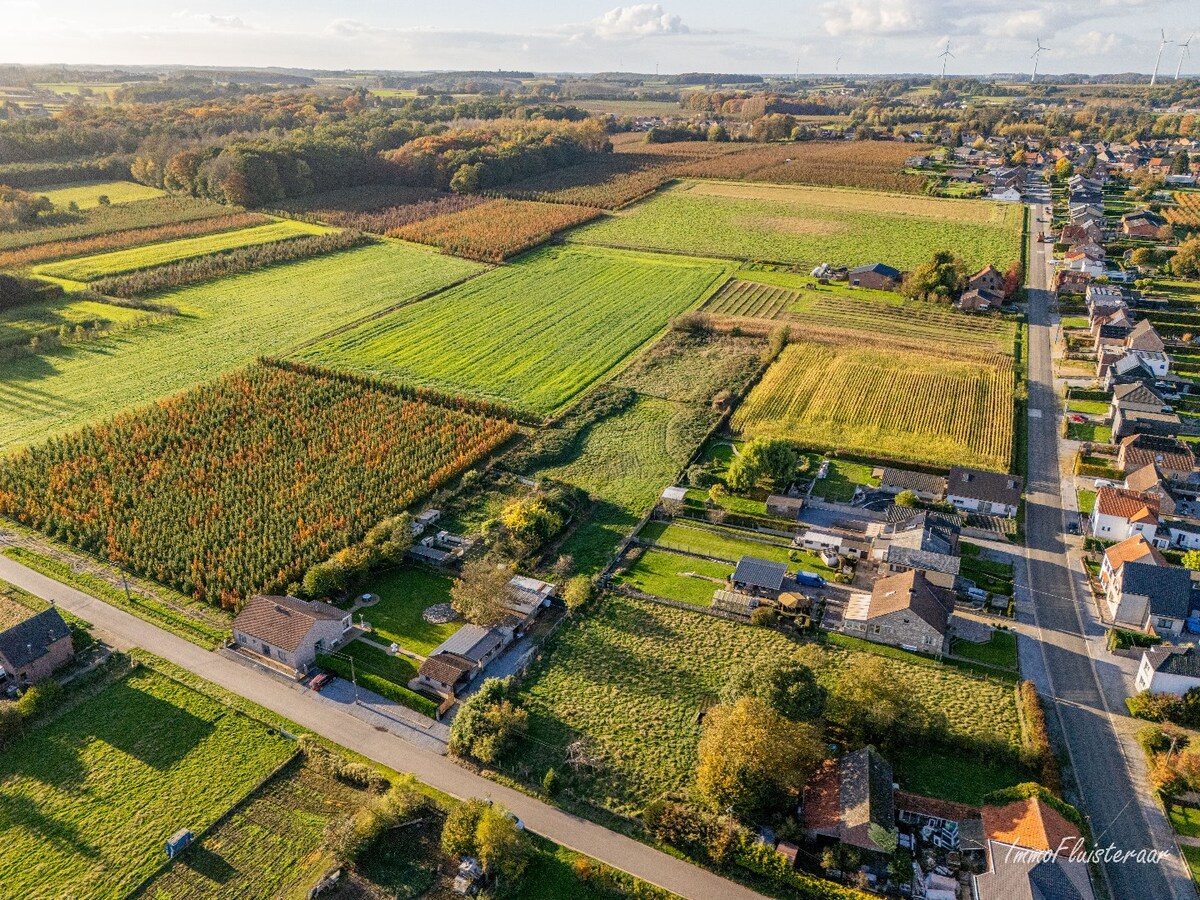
pixel 847 796
pixel 1119 513
pixel 758 577
pixel 288 630
pixel 444 674
pixel 33 649
pixel 1168 670
pixel 989 278
pixel 876 276
pixel 1142 223
pixel 905 610
pixel 1031 824
pixel 925 486
pixel 1151 598
pixel 986 493
pixel 785 507
pixel 460 658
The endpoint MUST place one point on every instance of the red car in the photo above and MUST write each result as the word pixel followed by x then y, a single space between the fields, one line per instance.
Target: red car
pixel 1077 418
pixel 320 681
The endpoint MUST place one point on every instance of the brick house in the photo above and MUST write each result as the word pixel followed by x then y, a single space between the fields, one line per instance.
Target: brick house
pixel 905 610
pixel 33 649
pixel 290 631
pixel 1051 872
pixel 876 276
pixel 1173 457
pixel 989 278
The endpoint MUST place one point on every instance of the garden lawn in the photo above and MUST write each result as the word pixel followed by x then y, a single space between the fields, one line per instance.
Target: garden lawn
pixel 1088 407
pixel 1192 856
pixel 1096 434
pixel 404 594
pixel 632 677
pixel 952 775
pixel 1001 650
pixel 118 262
pixel 225 324
pixel 661 574
pixel 723 543
pixel 87 194
pixel 535 333
pixel 1086 500
pixel 1184 819
pixel 842 478
pixel 271 845
pixel 810 225
pixel 398 669
pixel 90 798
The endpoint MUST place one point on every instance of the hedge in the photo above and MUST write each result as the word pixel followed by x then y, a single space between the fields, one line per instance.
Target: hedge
pixel 381 686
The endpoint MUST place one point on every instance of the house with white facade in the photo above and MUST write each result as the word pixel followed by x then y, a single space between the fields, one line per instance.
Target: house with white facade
pixel 985 493
pixel 1169 670
pixel 1119 513
pixel 290 631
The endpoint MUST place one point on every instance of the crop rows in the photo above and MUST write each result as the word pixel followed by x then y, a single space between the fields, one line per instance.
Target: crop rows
pixel 237 487
pixel 752 300
pixel 120 240
pixel 885 402
pixel 874 165
pixel 226 262
pixel 496 230
pixel 1186 213
pixel 117 217
pixel 535 334
pixel 119 262
pixel 609 181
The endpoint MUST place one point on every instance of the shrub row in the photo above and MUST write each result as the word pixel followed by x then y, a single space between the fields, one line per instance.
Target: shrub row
pixel 1039 737
pixel 29 175
pixel 228 262
pixel 380 686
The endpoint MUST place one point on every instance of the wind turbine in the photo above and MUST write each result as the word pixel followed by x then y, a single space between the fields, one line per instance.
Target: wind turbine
pixel 1183 51
pixel 1158 59
pixel 1036 58
pixel 943 57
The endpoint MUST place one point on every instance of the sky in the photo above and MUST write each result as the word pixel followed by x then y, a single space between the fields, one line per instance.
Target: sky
pixel 753 36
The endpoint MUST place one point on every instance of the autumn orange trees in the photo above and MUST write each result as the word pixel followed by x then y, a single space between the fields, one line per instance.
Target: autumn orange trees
pixel 237 487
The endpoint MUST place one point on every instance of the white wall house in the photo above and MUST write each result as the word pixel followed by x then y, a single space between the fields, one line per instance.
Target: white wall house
pixel 1169 670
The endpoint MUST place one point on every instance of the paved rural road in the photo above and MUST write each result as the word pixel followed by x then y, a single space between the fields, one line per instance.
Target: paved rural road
pixel 307 710
pixel 1100 769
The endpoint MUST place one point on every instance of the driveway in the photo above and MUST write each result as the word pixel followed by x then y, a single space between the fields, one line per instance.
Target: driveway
pixel 312 712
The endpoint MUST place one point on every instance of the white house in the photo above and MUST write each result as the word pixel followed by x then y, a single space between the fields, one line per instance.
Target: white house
pixel 1120 513
pixel 1150 598
pixel 1169 670
pixel 986 493
pixel 288 630
pixel 1132 549
pixel 1008 195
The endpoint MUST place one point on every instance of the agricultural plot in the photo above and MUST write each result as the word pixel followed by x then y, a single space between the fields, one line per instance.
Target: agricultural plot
pixel 1186 212
pixel 684 579
pixel 631 679
pixel 119 262
pixel 536 333
pixel 117 217
pixel 495 230
pixel 21 324
pixel 888 402
pixel 810 225
pixel 86 195
pixel 147 754
pixel 226 324
pixel 608 181
pixel 237 487
pixel 270 845
pixel 872 165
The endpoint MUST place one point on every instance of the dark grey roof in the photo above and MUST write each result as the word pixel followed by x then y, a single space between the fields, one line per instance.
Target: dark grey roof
pixel 897 514
pixel 1175 660
pixel 878 268
pixel 1137 392
pixel 28 641
pixel 976 484
pixel 866 796
pixel 760 573
pixel 1169 588
pixel 906 479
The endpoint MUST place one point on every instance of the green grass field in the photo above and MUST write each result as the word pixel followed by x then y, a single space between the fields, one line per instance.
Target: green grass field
pixel 1184 819
pixel 90 799
pixel 1001 650
pixel 632 677
pixel 1096 434
pixel 404 594
pixel 118 262
pixel 85 195
pixel 224 324
pixel 535 333
pixel 662 574
pixel 19 324
pixel 270 846
pixel 812 225
pixel 949 775
pixel 724 543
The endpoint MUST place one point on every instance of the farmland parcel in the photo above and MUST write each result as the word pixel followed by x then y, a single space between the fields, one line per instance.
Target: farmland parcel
pixel 811 225
pixel 237 487
pixel 225 325
pixel 536 333
pixel 89 799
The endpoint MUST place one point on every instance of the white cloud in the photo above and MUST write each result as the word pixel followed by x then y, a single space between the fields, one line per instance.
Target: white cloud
pixel 639 20
pixel 232 22
pixel 871 18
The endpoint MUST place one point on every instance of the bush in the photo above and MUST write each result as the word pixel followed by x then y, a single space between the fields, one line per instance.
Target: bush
pixel 764 615
pixel 39 699
pixel 488 722
pixel 1151 707
pixel 378 685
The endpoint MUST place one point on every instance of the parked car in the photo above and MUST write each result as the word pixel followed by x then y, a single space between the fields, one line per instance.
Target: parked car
pixel 1072 527
pixel 1105 482
pixel 810 579
pixel 1077 418
pixel 320 680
